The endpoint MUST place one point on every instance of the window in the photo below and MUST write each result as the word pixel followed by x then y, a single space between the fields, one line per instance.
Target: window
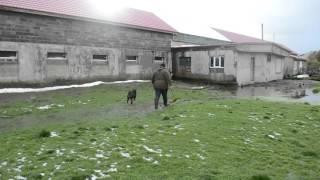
pixel 217 62
pixel 158 59
pixel 56 56
pixel 8 57
pixel 100 58
pixel 131 58
pixel 185 63
pixel 269 58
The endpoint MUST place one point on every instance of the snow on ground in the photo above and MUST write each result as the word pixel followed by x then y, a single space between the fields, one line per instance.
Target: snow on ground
pixel 126 155
pixel 26 90
pixel 158 151
pixel 54 134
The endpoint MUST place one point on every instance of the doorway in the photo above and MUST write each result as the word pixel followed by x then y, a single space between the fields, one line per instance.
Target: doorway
pixel 252 68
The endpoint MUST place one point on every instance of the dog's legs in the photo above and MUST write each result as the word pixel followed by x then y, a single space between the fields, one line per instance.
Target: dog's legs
pixel 131 100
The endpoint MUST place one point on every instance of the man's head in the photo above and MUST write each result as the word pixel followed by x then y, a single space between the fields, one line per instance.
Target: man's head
pixel 162 66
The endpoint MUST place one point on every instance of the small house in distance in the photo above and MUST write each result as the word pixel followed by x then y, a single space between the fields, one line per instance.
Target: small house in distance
pixel 243 60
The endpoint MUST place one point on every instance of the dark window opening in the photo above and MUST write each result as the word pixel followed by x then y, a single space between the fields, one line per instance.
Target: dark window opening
pixel 222 61
pixel 8 57
pixel 269 58
pixel 185 63
pixel 99 57
pixel 8 54
pixel 159 58
pixel 131 58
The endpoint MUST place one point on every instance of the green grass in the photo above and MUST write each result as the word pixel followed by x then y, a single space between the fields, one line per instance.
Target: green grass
pixel 200 136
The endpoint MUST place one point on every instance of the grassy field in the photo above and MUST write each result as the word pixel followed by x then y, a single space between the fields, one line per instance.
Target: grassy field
pixel 92 133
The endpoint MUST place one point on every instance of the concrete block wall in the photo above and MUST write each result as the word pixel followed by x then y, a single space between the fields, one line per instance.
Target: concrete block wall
pixel 264 71
pixel 200 65
pixel 33 36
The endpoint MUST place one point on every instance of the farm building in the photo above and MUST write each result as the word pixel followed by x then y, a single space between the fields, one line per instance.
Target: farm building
pixel 45 41
pixel 243 60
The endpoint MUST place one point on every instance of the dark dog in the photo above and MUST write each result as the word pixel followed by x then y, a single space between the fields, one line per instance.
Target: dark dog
pixel 131 96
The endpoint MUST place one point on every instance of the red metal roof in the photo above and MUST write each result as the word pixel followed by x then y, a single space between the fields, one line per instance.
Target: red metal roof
pixel 83 9
pixel 238 38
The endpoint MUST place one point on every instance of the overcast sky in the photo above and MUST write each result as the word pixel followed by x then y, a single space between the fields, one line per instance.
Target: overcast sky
pixel 295 23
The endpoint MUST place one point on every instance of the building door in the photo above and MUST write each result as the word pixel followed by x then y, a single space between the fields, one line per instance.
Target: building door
pixel 252 68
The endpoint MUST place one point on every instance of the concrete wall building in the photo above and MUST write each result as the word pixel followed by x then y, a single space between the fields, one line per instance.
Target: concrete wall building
pixel 240 63
pixel 244 60
pixel 44 41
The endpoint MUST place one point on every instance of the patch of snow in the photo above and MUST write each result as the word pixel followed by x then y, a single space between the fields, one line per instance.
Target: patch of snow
pixel 196 140
pixel 277 134
pixel 197 88
pixel 179 127
pixel 182 116
pixel 143 139
pixel 168 155
pixel 149 159
pixel 20 178
pixel 99 156
pixel 201 157
pixel 156 162
pixel 211 114
pixel 187 156
pixel 27 90
pixel 302 76
pixel 81 169
pixel 128 166
pixel 18 168
pixel 112 169
pixel 4 163
pixel 42 174
pixel 158 151
pixel 21 160
pixel 59 152
pixel 126 155
pixel 44 164
pixel 57 167
pixel 54 134
pixel 174 134
pixel 271 136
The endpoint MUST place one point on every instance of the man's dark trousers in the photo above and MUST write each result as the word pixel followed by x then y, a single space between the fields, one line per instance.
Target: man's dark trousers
pixel 159 92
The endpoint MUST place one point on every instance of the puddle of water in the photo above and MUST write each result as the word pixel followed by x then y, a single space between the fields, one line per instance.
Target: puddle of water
pixel 289 91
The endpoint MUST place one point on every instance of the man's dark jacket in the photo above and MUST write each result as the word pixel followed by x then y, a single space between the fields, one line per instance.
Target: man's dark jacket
pixel 161 79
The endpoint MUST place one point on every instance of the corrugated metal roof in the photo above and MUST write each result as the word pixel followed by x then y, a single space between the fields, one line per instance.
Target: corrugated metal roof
pixel 83 9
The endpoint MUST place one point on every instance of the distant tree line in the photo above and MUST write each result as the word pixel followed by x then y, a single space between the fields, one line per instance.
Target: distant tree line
pixel 314 63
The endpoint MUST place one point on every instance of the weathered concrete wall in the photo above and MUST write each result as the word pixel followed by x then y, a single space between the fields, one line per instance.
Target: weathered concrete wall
pixel 238 64
pixel 263 70
pixel 33 36
pixel 34 66
pixel 200 65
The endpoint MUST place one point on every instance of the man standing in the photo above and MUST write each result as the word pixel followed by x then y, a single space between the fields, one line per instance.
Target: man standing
pixel 161 82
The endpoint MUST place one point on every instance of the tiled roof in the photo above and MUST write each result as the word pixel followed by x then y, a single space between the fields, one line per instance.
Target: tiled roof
pixel 83 9
pixel 238 38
